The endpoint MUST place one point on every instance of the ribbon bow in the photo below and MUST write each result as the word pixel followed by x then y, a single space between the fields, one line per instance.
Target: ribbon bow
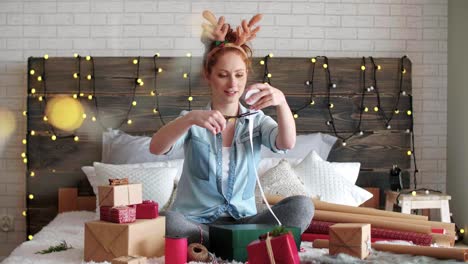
pixel 114 182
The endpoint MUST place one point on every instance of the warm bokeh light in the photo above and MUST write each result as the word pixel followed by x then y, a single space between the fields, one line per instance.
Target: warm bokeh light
pixel 7 125
pixel 65 113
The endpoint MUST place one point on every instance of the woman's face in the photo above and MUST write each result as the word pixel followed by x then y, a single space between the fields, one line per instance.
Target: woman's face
pixel 228 78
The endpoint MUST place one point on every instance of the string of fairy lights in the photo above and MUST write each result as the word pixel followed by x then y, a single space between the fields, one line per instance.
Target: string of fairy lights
pixel 372 89
pixel 36 77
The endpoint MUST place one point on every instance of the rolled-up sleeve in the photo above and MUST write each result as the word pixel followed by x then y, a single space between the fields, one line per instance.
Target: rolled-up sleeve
pixel 269 132
pixel 180 142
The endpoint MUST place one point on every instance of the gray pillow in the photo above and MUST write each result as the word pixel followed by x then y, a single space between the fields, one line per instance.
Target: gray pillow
pixel 318 142
pixel 121 148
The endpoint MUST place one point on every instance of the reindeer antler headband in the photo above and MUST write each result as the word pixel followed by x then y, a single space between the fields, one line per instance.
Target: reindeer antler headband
pixel 217 30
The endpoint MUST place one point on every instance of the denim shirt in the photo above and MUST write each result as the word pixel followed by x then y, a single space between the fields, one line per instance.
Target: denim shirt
pixel 199 194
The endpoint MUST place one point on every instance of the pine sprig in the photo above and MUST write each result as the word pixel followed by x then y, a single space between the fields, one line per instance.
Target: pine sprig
pixel 60 247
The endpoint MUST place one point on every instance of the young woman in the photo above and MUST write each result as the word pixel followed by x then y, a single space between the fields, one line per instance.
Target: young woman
pixel 218 179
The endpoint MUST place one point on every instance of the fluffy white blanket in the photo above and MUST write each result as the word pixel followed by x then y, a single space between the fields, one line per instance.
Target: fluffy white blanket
pixel 70 227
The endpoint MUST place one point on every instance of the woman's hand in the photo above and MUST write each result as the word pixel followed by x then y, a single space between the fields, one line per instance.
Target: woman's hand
pixel 212 120
pixel 268 96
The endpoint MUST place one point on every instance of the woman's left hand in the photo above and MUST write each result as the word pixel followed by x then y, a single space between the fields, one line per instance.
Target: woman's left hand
pixel 268 96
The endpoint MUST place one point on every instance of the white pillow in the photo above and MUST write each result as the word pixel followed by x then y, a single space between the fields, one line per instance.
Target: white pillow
pixel 267 163
pixel 157 183
pixel 121 148
pixel 279 180
pixel 330 182
pixel 177 163
pixel 320 143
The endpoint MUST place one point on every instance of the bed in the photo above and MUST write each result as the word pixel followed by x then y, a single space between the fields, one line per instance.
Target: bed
pixel 115 84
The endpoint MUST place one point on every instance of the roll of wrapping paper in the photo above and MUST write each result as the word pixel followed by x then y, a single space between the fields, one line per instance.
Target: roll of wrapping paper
pixel 443 240
pixel 320 205
pixel 175 250
pixel 338 217
pixel 435 252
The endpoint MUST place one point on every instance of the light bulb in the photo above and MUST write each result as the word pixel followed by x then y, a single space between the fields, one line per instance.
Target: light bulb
pixel 81 94
pixel 262 62
pixel 76 138
pixel 426 191
pixel 462 231
pixel 152 93
pixel 32 72
pixel 413 193
pixel 363 68
pixel 45 118
pixel 90 97
pixel 376 109
pixel 325 65
pixel 185 75
pixel 361 133
pixel 31 196
pixel 408 130
pixel 76 55
pixel 46 56
pixel 142 83
pixel 404 71
pixel 39 78
pixel 269 75
pixel 157 54
pixel 295 116
pixel 25 113
pixel 312 102
pixel 53 137
pixel 88 58
pixel 397 111
pixel 389 126
pixel 307 82
pixel 155 110
pixel 32 174
pixel 30 237
pixel 129 121
pixel 23 155
pixel 270 55
pixel 139 80
pixel 135 61
pixel 33 132
pixel 24 141
pixel 189 54
pixel 75 75
pixel 33 90
pixel 160 69
pixel 84 116
pixel 329 122
pixel 331 105
pixel 89 77
pixel 343 144
pixel 190 98
pixel 40 98
pixel 403 93
pixel 93 119
pixel 314 60
pixel 379 67
pixel 134 103
pixel 408 112
pixel 24 213
pixel 333 85
pixel 409 152
pixel 366 109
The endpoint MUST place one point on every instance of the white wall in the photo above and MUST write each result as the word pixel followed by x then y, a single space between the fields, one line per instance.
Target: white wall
pixel 457 179
pixel 352 28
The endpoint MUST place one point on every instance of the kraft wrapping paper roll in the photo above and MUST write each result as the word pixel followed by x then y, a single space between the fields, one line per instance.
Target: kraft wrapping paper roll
pixel 338 217
pixel 440 253
pixel 320 205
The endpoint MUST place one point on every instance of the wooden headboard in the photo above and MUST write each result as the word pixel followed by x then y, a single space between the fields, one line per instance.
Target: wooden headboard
pixel 57 164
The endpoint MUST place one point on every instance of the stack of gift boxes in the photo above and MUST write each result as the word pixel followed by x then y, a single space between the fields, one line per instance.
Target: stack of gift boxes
pixel 129 229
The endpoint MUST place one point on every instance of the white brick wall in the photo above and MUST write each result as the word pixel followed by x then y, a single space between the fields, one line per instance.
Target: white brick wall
pixel 417 28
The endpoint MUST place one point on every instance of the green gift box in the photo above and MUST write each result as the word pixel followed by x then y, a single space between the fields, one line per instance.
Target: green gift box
pixel 230 241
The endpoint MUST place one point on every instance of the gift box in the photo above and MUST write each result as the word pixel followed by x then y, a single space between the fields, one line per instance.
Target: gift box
pixel 119 214
pixel 230 241
pixel 105 241
pixel 351 239
pixel 120 195
pixel 129 260
pixel 147 210
pixel 282 249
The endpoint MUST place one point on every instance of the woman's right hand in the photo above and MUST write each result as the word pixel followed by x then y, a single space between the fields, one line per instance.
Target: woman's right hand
pixel 212 120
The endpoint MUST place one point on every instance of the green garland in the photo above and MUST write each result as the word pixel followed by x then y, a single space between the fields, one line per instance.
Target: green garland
pixel 60 247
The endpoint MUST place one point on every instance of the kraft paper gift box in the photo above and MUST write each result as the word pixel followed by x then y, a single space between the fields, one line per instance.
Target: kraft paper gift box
pixel 283 250
pixel 118 195
pixel 105 241
pixel 230 241
pixel 129 260
pixel 351 239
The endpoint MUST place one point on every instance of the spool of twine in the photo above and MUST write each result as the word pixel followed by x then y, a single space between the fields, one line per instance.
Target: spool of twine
pixel 198 252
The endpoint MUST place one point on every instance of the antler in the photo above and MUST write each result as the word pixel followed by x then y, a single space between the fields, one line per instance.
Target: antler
pixel 246 32
pixel 216 30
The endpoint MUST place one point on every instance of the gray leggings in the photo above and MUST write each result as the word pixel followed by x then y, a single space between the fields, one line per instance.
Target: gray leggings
pixel 292 211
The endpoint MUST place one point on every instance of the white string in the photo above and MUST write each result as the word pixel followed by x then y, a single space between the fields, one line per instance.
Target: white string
pixel 251 123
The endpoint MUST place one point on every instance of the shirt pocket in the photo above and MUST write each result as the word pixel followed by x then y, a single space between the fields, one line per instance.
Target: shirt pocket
pixel 200 158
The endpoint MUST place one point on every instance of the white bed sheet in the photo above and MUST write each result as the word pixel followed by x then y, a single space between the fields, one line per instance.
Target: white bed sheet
pixel 69 226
